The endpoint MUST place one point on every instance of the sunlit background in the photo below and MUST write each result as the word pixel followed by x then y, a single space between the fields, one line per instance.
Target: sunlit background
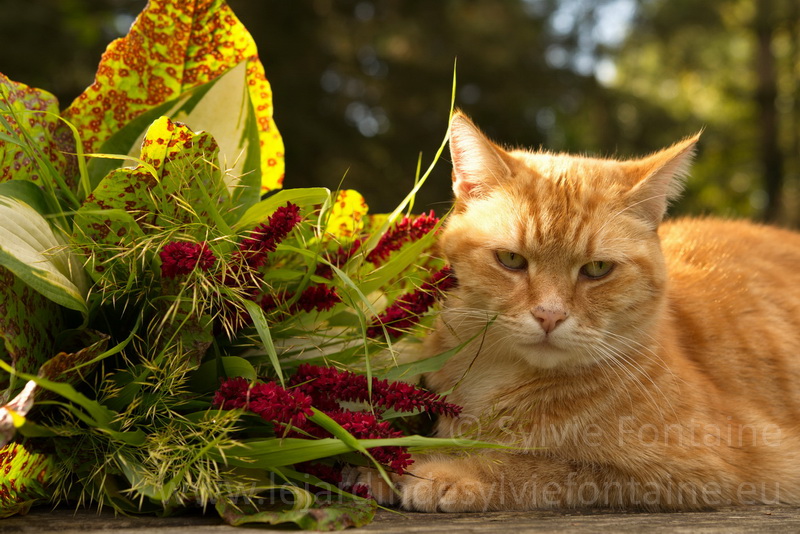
pixel 362 87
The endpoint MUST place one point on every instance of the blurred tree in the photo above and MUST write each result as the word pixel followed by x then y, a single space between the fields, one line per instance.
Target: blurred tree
pixel 363 86
pixel 732 66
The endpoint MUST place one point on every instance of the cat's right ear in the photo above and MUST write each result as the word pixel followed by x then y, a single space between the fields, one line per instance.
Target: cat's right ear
pixel 477 162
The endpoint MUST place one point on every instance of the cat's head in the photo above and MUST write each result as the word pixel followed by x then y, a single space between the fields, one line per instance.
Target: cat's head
pixel 562 251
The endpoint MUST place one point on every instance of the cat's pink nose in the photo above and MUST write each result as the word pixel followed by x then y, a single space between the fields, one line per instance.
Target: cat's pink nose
pixel 549 318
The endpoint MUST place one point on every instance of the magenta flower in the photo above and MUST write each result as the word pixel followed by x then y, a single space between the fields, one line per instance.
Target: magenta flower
pixel 324 472
pixel 327 386
pixel 179 258
pixel 338 258
pixel 324 388
pixel 404 231
pixel 319 297
pixel 408 308
pixel 266 399
pixel 266 236
pixel 363 425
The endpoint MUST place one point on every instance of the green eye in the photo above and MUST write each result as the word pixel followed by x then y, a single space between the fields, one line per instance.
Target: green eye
pixel 597 269
pixel 511 260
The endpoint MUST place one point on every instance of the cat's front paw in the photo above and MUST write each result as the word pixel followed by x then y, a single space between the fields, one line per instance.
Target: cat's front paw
pixel 430 486
pixel 443 486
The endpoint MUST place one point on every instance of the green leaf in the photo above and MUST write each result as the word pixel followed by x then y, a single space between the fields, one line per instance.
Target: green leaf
pixel 432 364
pixel 27 192
pixel 325 514
pixel 32 251
pixel 266 453
pixel 260 322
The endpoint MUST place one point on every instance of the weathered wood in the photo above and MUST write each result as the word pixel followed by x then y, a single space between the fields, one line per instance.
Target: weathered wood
pixel 761 519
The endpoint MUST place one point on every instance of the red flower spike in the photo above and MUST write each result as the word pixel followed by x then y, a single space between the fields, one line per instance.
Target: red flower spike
pixel 266 236
pixel 404 231
pixel 338 259
pixel 326 386
pixel 406 311
pixel 179 258
pixel 361 490
pixel 364 425
pixel 319 297
pixel 324 472
pixel 268 400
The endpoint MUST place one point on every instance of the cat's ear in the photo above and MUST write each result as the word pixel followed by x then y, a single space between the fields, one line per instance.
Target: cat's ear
pixel 477 162
pixel 659 178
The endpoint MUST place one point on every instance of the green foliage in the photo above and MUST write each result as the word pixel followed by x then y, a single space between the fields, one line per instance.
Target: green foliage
pixel 130 292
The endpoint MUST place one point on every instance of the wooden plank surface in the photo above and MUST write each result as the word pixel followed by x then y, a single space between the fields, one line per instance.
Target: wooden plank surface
pixel 750 519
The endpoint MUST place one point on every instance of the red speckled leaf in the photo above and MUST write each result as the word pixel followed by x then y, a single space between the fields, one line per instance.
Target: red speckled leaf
pixel 172 48
pixel 43 132
pixel 29 323
pixel 25 475
pixel 325 515
pixel 64 366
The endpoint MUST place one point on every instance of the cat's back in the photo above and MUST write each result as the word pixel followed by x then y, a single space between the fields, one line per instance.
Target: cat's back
pixel 713 253
pixel 734 299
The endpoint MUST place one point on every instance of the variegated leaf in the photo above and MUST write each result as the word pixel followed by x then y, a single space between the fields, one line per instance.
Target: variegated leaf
pixel 162 66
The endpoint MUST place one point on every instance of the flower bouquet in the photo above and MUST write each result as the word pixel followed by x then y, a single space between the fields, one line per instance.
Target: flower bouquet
pixel 177 330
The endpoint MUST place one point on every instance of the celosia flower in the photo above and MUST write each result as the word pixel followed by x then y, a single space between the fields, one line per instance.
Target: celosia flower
pixel 265 237
pixel 326 473
pixel 364 425
pixel 327 386
pixel 319 297
pixel 338 258
pixel 324 387
pixel 360 490
pixel 182 258
pixel 407 309
pixel 404 231
pixel 266 399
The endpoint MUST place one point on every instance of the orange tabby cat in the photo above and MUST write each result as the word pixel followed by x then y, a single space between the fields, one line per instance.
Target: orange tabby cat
pixel 629 362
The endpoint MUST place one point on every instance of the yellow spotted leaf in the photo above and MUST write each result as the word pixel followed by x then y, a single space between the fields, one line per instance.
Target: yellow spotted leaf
pixel 24 128
pixel 167 65
pixel 347 215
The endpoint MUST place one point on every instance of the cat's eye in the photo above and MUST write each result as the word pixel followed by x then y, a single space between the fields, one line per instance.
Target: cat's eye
pixel 511 260
pixel 597 269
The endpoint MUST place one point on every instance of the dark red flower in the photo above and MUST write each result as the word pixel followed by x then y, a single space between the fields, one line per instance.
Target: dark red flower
pixel 327 386
pixel 401 233
pixel 266 399
pixel 338 258
pixel 319 297
pixel 179 257
pixel 326 473
pixel 408 308
pixel 324 387
pixel 361 490
pixel 364 425
pixel 266 236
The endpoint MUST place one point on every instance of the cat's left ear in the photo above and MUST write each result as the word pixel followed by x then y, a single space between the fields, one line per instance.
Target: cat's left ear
pixel 478 164
pixel 659 178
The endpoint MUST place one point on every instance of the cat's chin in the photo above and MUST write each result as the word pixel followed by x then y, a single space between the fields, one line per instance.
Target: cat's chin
pixel 545 354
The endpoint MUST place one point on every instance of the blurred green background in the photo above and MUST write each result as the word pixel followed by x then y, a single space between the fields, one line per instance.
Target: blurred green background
pixel 362 87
